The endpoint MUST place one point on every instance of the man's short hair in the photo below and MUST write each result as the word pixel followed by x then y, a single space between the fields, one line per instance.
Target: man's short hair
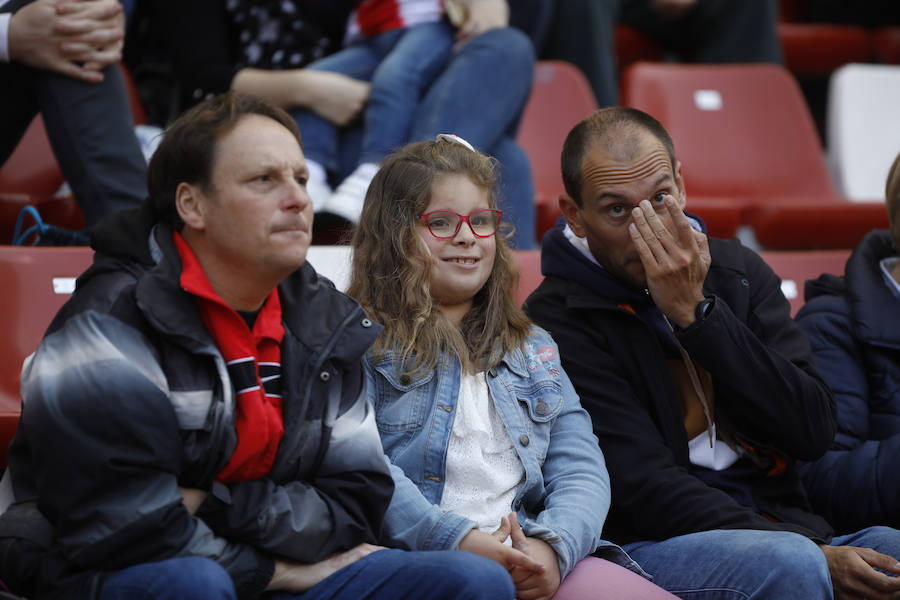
pixel 601 127
pixel 188 148
pixel 892 198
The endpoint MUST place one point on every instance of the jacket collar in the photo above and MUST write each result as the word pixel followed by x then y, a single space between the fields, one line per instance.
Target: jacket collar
pixel 313 311
pixel 870 299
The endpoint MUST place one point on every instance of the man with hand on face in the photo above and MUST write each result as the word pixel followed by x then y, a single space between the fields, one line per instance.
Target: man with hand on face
pixel 195 422
pixel 702 390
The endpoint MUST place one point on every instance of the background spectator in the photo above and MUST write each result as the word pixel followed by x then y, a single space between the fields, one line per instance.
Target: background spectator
pixel 715 31
pixel 855 336
pixel 62 63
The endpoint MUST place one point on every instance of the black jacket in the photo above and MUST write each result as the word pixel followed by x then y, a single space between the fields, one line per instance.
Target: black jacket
pixel 768 393
pixel 127 399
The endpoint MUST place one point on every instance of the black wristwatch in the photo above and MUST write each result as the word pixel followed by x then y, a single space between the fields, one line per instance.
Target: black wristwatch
pixel 704 307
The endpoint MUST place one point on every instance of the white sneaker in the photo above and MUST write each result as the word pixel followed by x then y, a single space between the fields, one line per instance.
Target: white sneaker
pixel 348 198
pixel 317 186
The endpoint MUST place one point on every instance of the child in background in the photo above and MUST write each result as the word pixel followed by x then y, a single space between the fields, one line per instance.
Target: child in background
pixel 487 439
pixel 400 46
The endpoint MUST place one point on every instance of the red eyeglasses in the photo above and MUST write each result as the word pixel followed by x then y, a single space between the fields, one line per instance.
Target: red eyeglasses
pixel 444 224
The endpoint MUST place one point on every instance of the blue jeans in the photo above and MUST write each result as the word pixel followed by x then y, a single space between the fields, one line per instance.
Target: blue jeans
pixel 480 97
pixel 401 64
pixel 382 575
pixel 739 564
pixel 173 579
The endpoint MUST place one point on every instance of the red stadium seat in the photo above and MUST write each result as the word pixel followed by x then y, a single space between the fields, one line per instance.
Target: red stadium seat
pixel 819 48
pixel 37 283
pixel 886 45
pixel 744 132
pixel 529 264
pixel 560 98
pixel 796 267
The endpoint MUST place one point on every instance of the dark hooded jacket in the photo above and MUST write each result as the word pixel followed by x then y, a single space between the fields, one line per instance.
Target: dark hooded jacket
pixel 127 399
pixel 768 395
pixel 853 328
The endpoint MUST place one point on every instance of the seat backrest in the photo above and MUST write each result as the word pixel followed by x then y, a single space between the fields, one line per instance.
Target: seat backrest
pixel 796 267
pixel 37 282
pixel 863 127
pixel 742 131
pixel 31 168
pixel 529 264
pixel 560 98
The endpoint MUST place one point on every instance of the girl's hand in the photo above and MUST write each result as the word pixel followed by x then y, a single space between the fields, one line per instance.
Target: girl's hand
pixel 532 585
pixel 482 15
pixel 491 546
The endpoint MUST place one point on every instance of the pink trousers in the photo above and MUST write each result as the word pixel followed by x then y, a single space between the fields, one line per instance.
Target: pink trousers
pixel 598 579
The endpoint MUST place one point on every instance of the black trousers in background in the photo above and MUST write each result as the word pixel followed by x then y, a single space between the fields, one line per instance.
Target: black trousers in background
pixel 713 31
pixel 90 128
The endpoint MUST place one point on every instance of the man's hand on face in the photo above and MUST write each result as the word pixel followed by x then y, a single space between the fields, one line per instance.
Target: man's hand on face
pixel 853 573
pixel 74 38
pixel 675 267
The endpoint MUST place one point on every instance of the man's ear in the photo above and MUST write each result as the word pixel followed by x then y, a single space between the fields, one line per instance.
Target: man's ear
pixel 189 206
pixel 572 212
pixel 679 181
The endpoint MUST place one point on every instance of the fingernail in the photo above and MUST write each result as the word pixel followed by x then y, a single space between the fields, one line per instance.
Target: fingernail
pixel 632 228
pixel 637 212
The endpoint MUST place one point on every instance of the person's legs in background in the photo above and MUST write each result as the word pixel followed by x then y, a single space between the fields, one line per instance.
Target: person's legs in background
pixel 737 564
pixel 713 31
pixel 413 57
pixel 480 97
pixel 582 32
pixel 516 192
pixel 91 130
pixel 320 136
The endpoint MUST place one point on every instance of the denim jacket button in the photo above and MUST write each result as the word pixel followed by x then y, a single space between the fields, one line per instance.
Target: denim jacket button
pixel 541 407
pixel 405 379
pixel 523 439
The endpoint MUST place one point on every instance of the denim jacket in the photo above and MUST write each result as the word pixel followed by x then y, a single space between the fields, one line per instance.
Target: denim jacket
pixel 566 493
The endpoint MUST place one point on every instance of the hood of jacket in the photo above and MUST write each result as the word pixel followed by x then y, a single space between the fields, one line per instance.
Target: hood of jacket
pixel 864 287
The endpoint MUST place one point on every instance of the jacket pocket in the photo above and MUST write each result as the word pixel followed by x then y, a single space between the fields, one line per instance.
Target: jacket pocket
pixel 401 402
pixel 542 404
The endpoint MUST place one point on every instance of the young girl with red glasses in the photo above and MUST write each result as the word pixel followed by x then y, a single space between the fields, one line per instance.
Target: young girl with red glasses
pixel 489 447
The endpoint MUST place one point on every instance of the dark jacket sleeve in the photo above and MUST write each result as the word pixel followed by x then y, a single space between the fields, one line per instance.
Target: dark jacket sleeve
pixel 654 496
pixel 105 451
pixel 766 382
pixel 340 506
pixel 854 485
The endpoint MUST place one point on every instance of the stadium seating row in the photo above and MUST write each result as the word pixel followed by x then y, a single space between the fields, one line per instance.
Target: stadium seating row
pixel 744 134
pixel 39 280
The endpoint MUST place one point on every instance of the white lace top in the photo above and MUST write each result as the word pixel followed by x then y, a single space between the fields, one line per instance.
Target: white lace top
pixel 483 470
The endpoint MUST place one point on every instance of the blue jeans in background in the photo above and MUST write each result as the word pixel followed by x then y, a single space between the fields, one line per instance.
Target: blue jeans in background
pixel 401 64
pixel 745 564
pixel 479 96
pixel 382 575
